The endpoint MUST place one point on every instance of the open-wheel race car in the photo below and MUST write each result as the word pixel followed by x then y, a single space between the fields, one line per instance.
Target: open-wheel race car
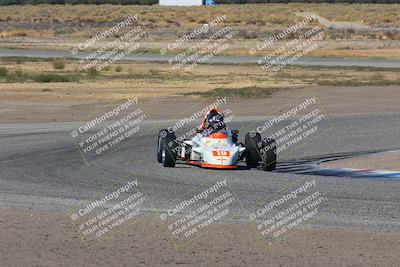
pixel 216 146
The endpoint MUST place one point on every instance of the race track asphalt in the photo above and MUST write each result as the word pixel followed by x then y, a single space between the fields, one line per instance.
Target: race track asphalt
pixel 41 167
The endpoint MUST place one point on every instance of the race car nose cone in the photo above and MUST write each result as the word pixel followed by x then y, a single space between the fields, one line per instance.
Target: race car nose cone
pixel 218 136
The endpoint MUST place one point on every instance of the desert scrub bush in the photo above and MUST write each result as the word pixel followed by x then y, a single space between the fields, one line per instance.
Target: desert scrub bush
pixel 55 78
pixel 153 72
pixel 242 92
pixel 59 64
pixel 247 34
pixel 118 69
pixel 107 68
pixel 17 76
pixel 21 76
pixel 92 72
pixel 3 71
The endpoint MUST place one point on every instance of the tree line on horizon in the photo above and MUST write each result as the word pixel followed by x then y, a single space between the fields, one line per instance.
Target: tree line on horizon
pixel 152 2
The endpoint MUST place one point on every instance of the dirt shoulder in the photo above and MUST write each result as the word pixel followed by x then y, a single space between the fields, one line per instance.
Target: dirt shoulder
pixel 388 161
pixel 334 100
pixel 33 238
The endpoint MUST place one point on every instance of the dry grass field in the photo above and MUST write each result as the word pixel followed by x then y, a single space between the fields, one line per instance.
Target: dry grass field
pixel 277 15
pixel 42 81
pixel 62 27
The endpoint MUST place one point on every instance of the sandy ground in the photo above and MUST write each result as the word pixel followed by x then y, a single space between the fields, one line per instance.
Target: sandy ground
pixel 334 100
pixel 389 161
pixel 38 238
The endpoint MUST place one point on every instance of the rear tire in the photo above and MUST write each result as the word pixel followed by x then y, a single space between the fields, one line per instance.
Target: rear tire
pixel 269 155
pixel 253 155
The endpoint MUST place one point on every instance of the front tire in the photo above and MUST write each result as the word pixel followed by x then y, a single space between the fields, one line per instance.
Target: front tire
pixel 160 145
pixel 167 145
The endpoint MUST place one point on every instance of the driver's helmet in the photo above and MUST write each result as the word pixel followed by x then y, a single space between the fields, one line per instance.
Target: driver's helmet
pixel 214 120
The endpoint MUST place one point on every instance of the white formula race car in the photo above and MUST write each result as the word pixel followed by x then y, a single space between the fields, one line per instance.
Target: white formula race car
pixel 215 146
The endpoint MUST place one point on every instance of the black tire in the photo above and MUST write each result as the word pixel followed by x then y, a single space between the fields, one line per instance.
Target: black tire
pixel 168 152
pixel 269 155
pixel 188 151
pixel 253 156
pixel 160 141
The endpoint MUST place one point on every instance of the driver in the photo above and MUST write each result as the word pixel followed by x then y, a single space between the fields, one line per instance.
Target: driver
pixel 213 123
